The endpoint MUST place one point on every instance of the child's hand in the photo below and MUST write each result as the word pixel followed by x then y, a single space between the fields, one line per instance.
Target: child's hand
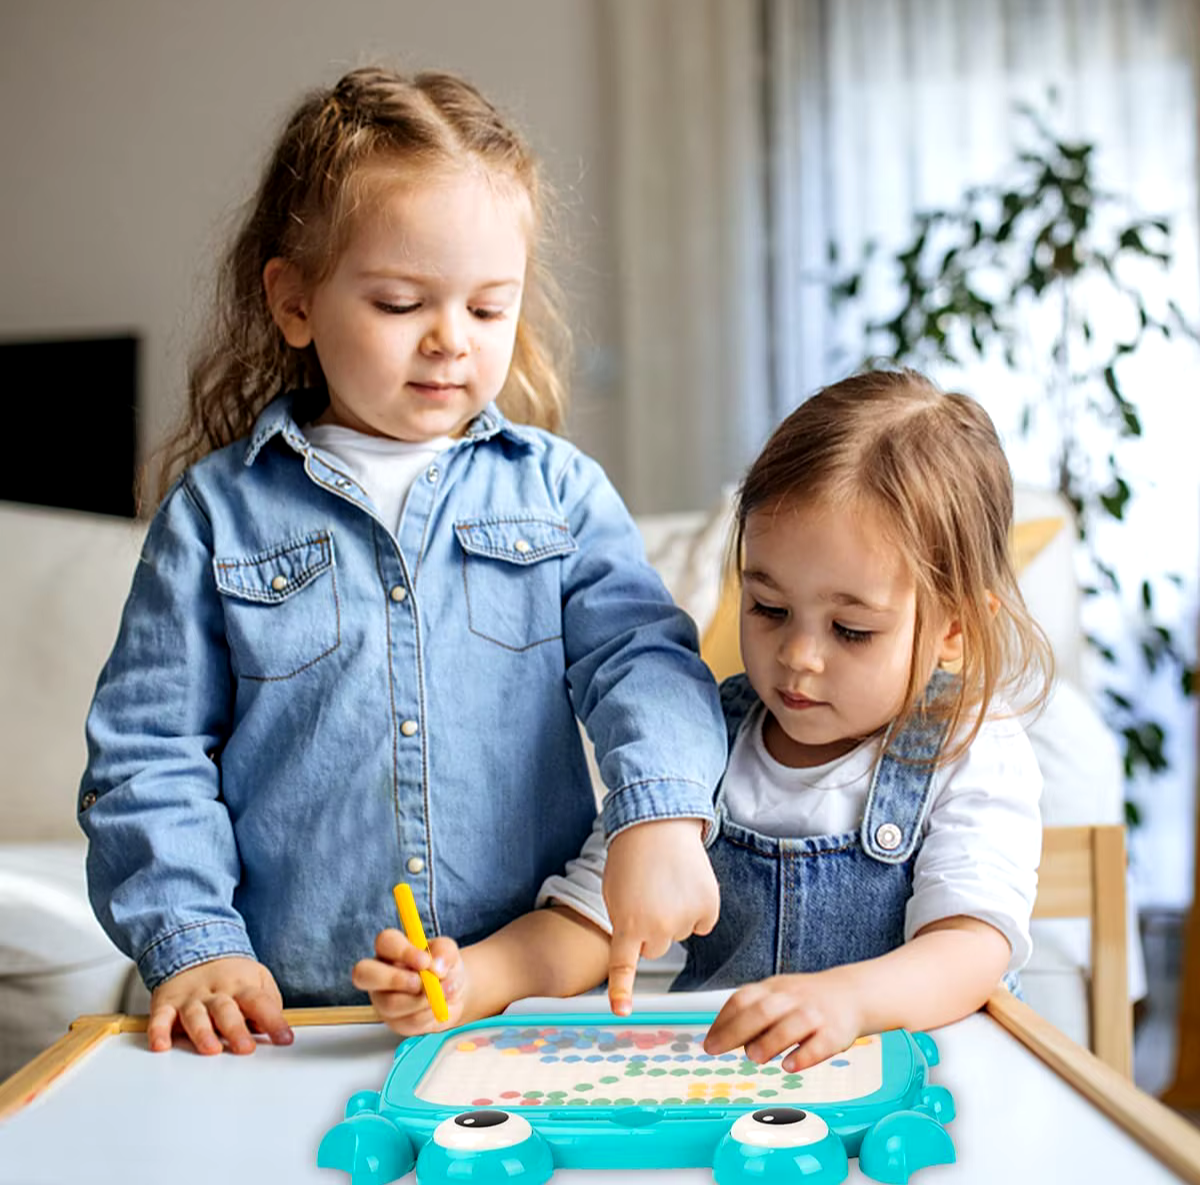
pixel 815 1016
pixel 659 888
pixel 392 981
pixel 214 1000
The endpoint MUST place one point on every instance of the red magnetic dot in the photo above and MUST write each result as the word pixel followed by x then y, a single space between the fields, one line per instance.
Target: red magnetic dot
pixel 510 1094
pixel 481 1102
pixel 531 1102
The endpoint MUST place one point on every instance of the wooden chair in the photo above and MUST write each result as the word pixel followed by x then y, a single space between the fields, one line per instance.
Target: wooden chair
pixel 1082 874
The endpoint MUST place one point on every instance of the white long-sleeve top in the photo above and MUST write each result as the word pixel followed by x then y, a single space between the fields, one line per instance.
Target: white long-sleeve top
pixel 981 834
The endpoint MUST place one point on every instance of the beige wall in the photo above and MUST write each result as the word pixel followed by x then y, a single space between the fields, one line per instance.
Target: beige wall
pixel 132 128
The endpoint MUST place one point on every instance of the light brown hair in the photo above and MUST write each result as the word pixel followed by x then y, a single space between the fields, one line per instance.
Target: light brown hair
pixel 929 464
pixel 303 211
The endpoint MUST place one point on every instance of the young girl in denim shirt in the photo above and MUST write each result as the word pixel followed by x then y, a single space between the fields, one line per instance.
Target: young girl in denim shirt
pixel 374 601
pixel 878 830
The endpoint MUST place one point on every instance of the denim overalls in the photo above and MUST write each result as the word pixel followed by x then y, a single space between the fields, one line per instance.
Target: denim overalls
pixel 790 905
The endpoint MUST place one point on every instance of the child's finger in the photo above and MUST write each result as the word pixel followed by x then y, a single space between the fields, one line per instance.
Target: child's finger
pixel 197 1024
pixel 744 1015
pixel 265 1010
pixel 230 1022
pixel 622 971
pixel 393 947
pixel 372 975
pixel 158 1030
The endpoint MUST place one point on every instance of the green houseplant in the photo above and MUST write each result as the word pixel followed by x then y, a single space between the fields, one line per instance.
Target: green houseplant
pixel 1047 248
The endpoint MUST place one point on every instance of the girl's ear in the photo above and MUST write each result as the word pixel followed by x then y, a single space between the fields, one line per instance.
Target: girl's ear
pixel 950 646
pixel 287 298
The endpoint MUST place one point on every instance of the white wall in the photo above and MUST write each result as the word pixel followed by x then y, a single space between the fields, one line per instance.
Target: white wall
pixel 131 129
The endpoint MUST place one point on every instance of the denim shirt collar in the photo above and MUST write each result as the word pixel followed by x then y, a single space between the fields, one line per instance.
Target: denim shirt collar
pixel 283 415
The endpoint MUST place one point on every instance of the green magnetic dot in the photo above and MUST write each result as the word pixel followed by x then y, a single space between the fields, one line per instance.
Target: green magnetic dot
pixel 584 1085
pixel 557 1094
pixel 693 1102
pixel 647 1102
pixel 726 1070
pixel 608 1078
pixel 679 1073
pixel 672 1102
pixel 577 1102
pixel 748 1067
pixel 657 1072
pixel 600 1101
pixel 767 1094
pixel 533 1094
pixel 701 1072
pixel 622 1102
pixel 771 1070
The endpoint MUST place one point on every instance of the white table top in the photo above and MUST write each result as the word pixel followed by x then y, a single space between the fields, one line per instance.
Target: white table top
pixel 124 1115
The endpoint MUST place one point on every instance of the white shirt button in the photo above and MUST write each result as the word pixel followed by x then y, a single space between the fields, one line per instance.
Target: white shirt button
pixel 521 545
pixel 409 728
pixel 415 864
pixel 279 583
pixel 888 836
pixel 344 483
pixel 399 592
pixel 433 473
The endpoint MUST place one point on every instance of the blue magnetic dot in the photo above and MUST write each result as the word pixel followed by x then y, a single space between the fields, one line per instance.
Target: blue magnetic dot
pixel 595 1057
pixel 615 1057
pixel 728 1057
pixel 638 1057
pixel 572 1057
pixel 661 1057
pixel 683 1057
pixel 550 1059
pixel 839 1061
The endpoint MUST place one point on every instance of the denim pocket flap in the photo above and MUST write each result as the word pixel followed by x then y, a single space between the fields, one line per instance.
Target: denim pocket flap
pixel 272 576
pixel 523 539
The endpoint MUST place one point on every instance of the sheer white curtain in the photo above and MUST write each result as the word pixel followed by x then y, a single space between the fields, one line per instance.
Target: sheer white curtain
pixel 691 246
pixel 882 108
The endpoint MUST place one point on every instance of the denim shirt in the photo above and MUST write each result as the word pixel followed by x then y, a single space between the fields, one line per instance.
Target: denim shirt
pixel 302 708
pixel 807 904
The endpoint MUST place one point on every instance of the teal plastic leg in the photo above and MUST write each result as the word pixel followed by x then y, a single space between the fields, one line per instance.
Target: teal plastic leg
pixel 900 1144
pixel 373 1150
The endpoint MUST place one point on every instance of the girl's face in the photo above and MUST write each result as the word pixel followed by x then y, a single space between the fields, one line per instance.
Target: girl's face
pixel 415 326
pixel 827 625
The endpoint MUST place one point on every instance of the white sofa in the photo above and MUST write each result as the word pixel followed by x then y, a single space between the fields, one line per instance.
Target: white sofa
pixel 66 577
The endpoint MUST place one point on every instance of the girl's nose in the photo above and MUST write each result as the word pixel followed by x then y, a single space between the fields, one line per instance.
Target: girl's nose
pixel 800 651
pixel 447 336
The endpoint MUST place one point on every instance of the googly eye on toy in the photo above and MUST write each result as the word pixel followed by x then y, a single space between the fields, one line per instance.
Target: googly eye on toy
pixel 780 1127
pixel 780 1144
pixel 481 1131
pixel 485 1146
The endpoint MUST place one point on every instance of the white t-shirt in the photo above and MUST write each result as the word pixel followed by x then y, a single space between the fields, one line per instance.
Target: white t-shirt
pixel 981 836
pixel 383 467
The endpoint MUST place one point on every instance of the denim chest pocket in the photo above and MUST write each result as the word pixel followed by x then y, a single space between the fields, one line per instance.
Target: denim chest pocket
pixel 511 577
pixel 281 607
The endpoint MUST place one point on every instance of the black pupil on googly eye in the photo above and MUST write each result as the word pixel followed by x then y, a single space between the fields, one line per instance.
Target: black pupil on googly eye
pixel 481 1119
pixel 777 1115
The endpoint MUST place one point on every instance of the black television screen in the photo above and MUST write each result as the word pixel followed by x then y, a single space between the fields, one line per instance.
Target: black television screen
pixel 73 405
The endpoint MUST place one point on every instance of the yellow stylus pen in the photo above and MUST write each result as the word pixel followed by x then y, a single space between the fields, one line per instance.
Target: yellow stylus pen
pixel 411 921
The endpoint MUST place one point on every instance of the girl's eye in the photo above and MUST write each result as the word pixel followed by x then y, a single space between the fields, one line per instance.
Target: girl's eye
pixel 848 635
pixel 771 612
pixel 395 309
pixel 487 314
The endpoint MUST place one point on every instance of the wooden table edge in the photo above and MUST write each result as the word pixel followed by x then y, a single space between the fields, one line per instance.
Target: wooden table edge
pixel 1167 1136
pixel 87 1032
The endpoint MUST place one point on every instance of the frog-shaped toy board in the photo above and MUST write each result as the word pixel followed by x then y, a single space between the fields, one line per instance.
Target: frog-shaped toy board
pixel 512 1099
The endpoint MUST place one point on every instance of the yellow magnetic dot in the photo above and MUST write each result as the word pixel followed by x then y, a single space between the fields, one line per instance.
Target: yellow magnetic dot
pixel 863 1040
pixel 746 1086
pixel 696 1090
pixel 539 1041
pixel 511 1052
pixel 465 1046
pixel 721 1088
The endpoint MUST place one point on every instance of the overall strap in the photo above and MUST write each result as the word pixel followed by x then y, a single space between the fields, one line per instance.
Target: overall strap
pixel 900 788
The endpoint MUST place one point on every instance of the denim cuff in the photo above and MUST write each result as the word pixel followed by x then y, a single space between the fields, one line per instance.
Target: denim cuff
pixel 654 799
pixel 190 945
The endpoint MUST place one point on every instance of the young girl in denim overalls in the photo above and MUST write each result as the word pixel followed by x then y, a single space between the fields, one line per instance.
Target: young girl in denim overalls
pixel 877 832
pixel 373 604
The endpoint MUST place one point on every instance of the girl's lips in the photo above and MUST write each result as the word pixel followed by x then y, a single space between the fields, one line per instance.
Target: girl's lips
pixel 798 702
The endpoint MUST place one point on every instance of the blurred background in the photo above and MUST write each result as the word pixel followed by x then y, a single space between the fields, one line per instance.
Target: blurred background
pixel 756 196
